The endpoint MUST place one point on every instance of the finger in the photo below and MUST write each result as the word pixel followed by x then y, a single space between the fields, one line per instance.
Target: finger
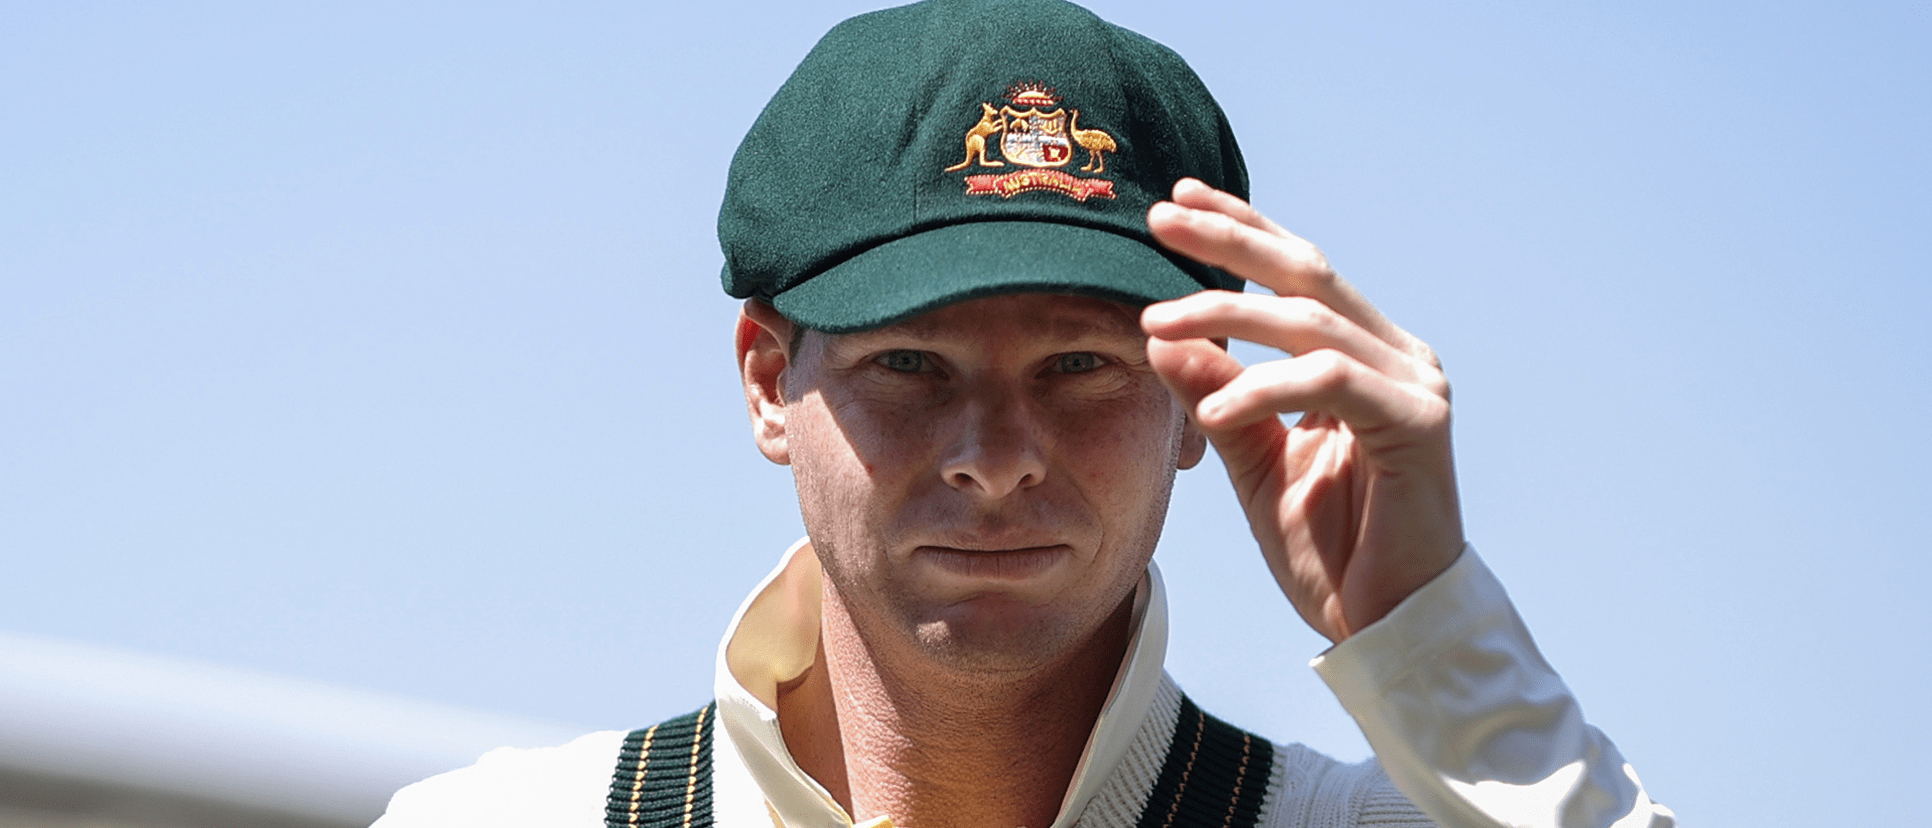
pixel 1277 260
pixel 1195 193
pixel 1218 229
pixel 1193 369
pixel 1295 324
pixel 1382 412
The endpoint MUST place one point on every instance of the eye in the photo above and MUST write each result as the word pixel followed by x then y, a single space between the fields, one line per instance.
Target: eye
pixel 1078 362
pixel 905 362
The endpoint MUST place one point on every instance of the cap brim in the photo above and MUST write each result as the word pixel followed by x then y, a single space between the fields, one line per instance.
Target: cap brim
pixel 909 276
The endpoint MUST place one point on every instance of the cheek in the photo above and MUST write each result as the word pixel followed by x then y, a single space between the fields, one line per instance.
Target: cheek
pixel 872 440
pixel 1128 458
pixel 844 463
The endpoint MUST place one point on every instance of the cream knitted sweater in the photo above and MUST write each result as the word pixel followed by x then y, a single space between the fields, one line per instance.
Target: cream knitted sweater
pixel 1449 689
pixel 566 786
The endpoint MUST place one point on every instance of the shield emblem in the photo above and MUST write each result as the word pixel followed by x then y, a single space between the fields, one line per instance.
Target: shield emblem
pixel 1035 138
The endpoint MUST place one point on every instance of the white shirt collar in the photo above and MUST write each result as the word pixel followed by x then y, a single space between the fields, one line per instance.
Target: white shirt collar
pixel 773 639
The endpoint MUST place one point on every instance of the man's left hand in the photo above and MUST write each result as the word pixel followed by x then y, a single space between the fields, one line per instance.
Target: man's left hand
pixel 1355 505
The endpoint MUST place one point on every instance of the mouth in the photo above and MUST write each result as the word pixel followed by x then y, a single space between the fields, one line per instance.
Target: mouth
pixel 1017 564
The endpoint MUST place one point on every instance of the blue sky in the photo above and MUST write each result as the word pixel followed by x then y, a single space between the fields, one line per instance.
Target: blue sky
pixel 382 346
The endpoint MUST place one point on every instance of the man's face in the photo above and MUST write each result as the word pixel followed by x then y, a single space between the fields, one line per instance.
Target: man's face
pixel 984 484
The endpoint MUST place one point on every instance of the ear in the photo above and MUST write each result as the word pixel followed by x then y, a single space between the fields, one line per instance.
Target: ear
pixel 764 343
pixel 1193 442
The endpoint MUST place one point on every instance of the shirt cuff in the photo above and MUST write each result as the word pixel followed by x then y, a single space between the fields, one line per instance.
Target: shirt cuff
pixel 1469 720
pixel 1462 602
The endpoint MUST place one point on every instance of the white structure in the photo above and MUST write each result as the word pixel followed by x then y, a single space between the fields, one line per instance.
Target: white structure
pixel 104 739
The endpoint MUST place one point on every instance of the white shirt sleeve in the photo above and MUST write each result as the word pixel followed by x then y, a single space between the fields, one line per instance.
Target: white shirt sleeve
pixel 1470 721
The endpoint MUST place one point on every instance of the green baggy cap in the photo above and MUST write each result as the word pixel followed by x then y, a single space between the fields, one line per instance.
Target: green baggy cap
pixel 953 149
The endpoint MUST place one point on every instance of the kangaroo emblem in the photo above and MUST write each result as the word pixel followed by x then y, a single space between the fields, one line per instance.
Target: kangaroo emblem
pixel 1095 142
pixel 989 122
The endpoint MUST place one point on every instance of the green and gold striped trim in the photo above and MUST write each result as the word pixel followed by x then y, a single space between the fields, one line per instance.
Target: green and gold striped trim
pixel 1216 775
pixel 663 777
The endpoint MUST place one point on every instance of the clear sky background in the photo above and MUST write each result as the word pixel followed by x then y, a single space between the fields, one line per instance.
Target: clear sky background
pixel 381 345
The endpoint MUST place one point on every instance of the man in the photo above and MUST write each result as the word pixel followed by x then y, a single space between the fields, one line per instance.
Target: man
pixel 990 251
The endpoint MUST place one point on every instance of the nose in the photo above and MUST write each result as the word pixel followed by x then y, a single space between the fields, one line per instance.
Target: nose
pixel 997 448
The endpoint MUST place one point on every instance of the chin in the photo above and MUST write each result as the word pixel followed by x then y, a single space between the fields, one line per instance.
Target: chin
pixel 996 640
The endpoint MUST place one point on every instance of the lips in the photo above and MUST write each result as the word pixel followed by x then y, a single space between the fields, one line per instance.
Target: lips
pixel 995 541
pixel 997 564
pixel 1048 548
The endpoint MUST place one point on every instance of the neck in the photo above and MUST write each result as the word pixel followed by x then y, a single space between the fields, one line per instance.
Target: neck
pixel 934 748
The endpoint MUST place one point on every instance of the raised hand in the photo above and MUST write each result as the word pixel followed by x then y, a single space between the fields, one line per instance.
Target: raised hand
pixel 1355 506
